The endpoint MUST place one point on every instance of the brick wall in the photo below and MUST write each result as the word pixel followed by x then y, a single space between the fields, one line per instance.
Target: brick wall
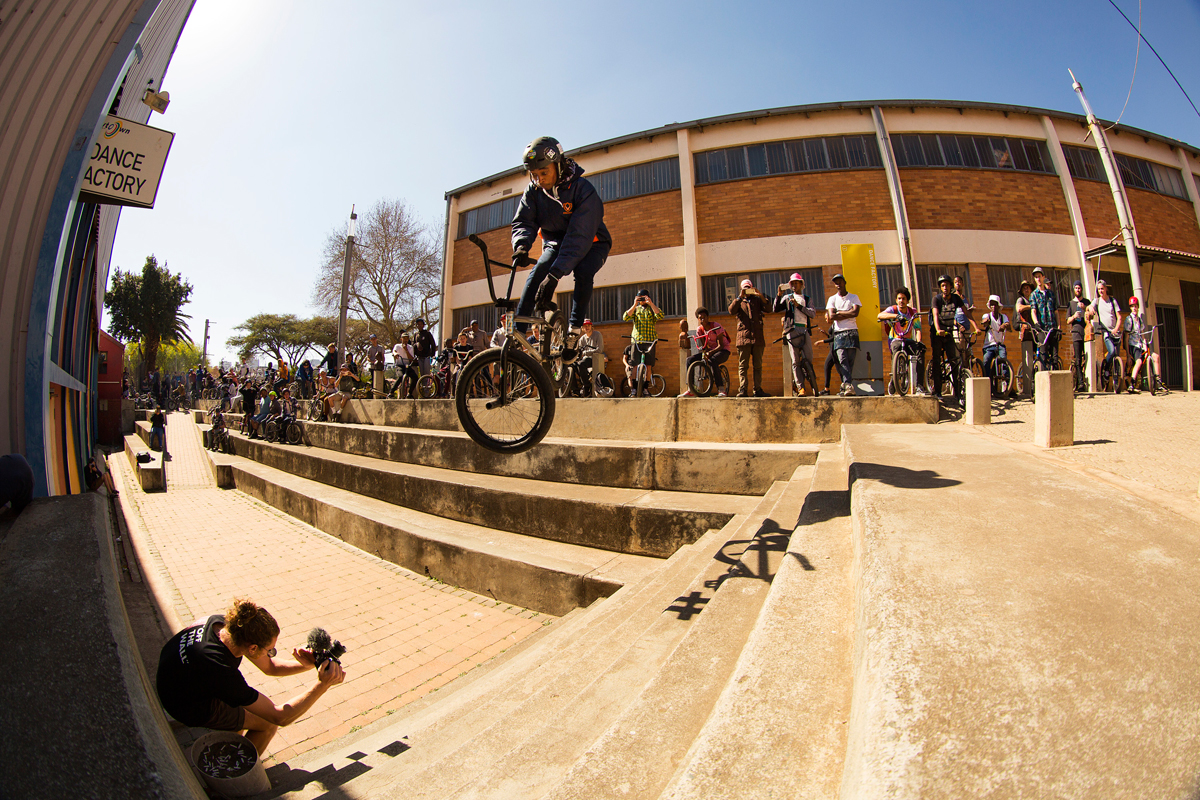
pixel 468 261
pixel 783 205
pixel 1096 205
pixel 1191 335
pixel 1164 221
pixel 989 200
pixel 645 223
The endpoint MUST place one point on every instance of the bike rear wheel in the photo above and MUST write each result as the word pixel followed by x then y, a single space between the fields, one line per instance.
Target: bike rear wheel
pixel 700 379
pixel 272 431
pixel 428 387
pixel 656 386
pixel 294 433
pixel 527 411
pixel 550 346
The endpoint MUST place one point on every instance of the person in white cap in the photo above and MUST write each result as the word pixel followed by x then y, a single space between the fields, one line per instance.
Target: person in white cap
pixel 995 323
pixel 798 315
pixel 749 307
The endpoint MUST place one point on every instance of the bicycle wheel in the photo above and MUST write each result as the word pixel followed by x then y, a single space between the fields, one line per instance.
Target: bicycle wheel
pixel 272 431
pixel 1118 378
pixel 700 379
pixel 550 347
pixel 1002 377
pixel 656 386
pixel 428 387
pixel 569 386
pixel 977 368
pixel 723 383
pixel 626 387
pixel 294 433
pixel 899 382
pixel 508 415
pixel 603 386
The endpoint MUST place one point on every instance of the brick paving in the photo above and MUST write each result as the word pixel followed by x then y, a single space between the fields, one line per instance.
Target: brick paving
pixel 406 635
pixel 1154 440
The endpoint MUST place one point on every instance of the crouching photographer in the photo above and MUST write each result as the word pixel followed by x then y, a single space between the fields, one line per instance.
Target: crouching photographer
pixel 200 685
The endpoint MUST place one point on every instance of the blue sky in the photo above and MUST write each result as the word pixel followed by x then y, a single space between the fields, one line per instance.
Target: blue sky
pixel 287 111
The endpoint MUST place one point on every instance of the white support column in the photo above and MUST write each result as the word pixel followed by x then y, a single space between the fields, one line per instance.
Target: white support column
pixel 447 269
pixel 899 211
pixel 1081 238
pixel 691 246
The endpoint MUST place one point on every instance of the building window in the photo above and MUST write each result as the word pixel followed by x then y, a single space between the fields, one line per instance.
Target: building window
pixel 1006 282
pixel 609 303
pixel 487 315
pixel 782 158
pixel 488 218
pixel 1191 299
pixel 103 363
pixel 1137 173
pixel 927 287
pixel 648 178
pixel 974 152
pixel 718 291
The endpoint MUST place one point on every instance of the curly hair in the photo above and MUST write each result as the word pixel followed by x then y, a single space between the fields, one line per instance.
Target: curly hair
pixel 250 624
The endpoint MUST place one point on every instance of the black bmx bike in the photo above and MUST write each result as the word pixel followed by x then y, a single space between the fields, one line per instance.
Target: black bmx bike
pixel 505 395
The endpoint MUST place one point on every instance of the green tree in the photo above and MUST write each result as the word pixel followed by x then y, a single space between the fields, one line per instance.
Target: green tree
pixel 278 337
pixel 177 357
pixel 146 308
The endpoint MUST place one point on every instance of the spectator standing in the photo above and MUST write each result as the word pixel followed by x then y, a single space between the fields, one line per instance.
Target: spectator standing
pixel 995 323
pixel 749 307
pixel 330 362
pixel 375 353
pixel 945 306
pixel 711 339
pixel 158 430
pixel 1137 345
pixel 645 316
pixel 305 375
pixel 1106 312
pixel 798 315
pixel 476 337
pixel 500 335
pixel 1077 320
pixel 424 347
pixel 1045 310
pixel 1024 311
pixel 841 312
pixel 405 358
pixel 904 331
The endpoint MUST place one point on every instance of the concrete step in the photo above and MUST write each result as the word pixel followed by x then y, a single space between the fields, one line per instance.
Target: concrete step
pixel 669 466
pixel 788 701
pixel 547 576
pixel 640 751
pixel 690 419
pixel 634 521
pixel 535 681
pixel 149 474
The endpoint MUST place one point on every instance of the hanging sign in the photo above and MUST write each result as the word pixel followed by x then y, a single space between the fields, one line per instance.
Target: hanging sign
pixel 126 164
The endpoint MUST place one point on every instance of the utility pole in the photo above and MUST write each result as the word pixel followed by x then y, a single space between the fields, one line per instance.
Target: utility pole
pixel 1124 215
pixel 204 353
pixel 345 292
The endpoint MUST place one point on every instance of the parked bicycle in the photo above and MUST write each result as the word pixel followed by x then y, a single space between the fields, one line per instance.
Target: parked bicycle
pixel 279 430
pixel 900 382
pixel 505 395
pixel 1148 377
pixel 807 371
pixel 644 383
pixel 576 384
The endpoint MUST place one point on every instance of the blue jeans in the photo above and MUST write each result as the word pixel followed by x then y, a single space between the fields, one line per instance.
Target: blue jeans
pixel 584 272
pixel 1110 351
pixel 989 355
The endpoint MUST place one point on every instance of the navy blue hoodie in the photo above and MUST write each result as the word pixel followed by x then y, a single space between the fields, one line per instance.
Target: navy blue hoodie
pixel 570 217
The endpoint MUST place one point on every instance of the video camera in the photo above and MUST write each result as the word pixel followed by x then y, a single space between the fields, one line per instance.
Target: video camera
pixel 324 648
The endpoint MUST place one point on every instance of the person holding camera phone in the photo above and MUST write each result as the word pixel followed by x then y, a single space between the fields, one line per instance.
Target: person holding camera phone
pixel 645 316
pixel 199 683
pixel 749 307
pixel 563 207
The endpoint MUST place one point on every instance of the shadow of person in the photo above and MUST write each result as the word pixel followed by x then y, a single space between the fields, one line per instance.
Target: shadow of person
pixel 901 477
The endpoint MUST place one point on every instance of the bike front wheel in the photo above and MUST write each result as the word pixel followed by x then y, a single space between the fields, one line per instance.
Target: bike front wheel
pixel 604 385
pixel 294 433
pixel 700 379
pixel 899 382
pixel 427 387
pixel 508 413
pixel 656 386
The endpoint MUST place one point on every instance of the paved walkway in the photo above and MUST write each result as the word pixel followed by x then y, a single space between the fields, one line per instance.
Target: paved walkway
pixel 1152 440
pixel 406 635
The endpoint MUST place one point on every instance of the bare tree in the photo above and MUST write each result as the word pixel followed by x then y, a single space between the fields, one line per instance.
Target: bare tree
pixel 395 271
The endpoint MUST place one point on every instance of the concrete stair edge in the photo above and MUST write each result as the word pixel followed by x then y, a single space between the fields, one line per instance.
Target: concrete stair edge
pixel 787 702
pixel 637 755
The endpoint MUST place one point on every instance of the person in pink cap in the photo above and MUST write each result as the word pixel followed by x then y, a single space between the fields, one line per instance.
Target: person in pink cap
pixel 749 307
pixel 798 315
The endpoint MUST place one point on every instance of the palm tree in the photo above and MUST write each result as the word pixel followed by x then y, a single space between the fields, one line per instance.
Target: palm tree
pixel 147 307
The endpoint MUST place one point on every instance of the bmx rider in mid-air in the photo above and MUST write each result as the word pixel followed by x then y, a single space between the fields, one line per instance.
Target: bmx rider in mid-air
pixel 568 211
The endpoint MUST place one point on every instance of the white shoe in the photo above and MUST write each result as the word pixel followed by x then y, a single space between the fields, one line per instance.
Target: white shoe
pixel 722 394
pixel 850 390
pixel 688 393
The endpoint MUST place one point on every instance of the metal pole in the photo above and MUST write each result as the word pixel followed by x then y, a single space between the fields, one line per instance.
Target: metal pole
pixel 899 210
pixel 341 338
pixel 204 353
pixel 1124 216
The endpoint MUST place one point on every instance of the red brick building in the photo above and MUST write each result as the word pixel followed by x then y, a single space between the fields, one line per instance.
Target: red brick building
pixel 981 190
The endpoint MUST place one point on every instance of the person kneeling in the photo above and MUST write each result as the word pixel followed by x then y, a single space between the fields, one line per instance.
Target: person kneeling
pixel 200 685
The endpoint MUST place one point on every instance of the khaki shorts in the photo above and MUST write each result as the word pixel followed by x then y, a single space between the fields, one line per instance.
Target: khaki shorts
pixel 224 717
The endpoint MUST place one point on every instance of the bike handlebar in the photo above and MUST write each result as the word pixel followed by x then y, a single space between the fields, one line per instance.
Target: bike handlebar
pixel 488 263
pixel 645 341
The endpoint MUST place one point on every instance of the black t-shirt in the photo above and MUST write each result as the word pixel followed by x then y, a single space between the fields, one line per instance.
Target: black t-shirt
pixel 195 667
pixel 945 307
pixel 1078 325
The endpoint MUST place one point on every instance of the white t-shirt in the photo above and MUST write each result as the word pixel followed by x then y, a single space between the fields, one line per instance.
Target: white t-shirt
pixel 993 334
pixel 847 303
pixel 1107 311
pixel 403 354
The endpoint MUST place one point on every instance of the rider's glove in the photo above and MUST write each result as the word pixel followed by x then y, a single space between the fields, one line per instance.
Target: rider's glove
pixel 521 259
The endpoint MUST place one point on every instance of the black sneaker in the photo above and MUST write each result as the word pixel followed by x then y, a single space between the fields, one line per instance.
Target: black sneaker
pixel 760 393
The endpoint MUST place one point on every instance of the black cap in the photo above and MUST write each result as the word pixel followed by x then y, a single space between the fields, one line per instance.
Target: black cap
pixel 943 279
pixel 642 293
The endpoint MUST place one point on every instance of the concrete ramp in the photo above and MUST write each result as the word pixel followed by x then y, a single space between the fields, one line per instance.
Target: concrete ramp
pixel 1022 631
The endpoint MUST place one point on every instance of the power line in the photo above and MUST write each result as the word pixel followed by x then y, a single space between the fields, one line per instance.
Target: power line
pixel 1160 58
pixel 1136 55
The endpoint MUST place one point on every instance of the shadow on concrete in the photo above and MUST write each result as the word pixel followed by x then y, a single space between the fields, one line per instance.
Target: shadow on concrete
pixel 285 779
pixel 900 477
pixel 1078 442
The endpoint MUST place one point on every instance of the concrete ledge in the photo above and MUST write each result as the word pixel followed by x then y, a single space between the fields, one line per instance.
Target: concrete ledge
pixel 81 715
pixel 549 577
pixel 731 420
pixel 150 475
pixel 669 466
pixel 1000 655
pixel 651 523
